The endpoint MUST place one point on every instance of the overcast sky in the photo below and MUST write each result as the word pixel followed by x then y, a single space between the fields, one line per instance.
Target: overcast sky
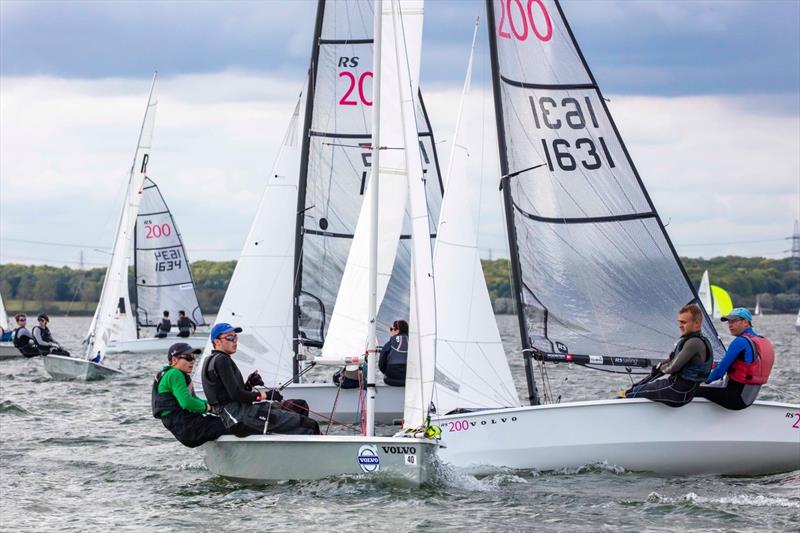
pixel 706 96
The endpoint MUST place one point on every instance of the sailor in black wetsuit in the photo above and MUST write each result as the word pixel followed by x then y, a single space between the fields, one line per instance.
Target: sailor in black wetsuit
pixel 164 326
pixel 232 398
pixel 688 365
pixel 173 401
pixel 394 355
pixel 45 340
pixel 186 325
pixel 22 338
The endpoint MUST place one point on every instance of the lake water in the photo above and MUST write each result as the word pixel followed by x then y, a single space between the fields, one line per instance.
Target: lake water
pixel 89 456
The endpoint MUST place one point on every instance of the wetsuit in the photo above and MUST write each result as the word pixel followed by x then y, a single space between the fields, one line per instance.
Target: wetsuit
pixel 734 395
pixel 186 326
pixel 393 360
pixel 182 413
pixel 688 365
pixel 24 342
pixel 47 344
pixel 163 328
pixel 224 387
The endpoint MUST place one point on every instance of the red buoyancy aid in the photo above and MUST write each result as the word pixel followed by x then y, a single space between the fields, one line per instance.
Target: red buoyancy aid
pixel 757 372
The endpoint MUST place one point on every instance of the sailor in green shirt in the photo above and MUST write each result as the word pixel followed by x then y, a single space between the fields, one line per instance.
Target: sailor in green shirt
pixel 174 403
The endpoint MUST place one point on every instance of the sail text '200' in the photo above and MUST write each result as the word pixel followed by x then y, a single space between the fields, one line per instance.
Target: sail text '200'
pixel 553 114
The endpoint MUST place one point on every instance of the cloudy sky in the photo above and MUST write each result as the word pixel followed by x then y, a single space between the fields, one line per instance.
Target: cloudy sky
pixel 706 95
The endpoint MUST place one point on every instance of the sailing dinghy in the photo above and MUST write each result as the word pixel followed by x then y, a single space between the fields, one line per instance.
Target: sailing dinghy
pixel 716 300
pixel 292 266
pixel 113 317
pixel 404 459
pixel 597 283
pixel 163 275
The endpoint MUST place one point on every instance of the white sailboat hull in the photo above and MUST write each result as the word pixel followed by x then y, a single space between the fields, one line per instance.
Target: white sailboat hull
pixel 152 344
pixel 638 435
pixel 322 400
pixel 8 350
pixel 269 458
pixel 70 368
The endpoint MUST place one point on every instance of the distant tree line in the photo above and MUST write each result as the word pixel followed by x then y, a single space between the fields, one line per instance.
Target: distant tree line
pixel 775 281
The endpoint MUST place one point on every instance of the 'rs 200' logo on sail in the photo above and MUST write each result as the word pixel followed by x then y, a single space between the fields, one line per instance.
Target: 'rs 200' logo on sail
pixel 368 458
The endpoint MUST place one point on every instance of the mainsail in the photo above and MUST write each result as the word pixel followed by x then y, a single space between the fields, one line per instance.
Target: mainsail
pixel 335 164
pixel 113 318
pixel 596 276
pixel 3 315
pixel 163 275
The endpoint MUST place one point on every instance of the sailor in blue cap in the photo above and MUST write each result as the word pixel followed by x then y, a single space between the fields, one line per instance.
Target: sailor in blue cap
pixel 747 364
pixel 232 398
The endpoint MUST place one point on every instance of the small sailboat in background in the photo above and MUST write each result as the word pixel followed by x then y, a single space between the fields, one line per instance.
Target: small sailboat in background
pixel 757 310
pixel 797 322
pixel 163 275
pixel 113 317
pixel 7 348
pixel 716 300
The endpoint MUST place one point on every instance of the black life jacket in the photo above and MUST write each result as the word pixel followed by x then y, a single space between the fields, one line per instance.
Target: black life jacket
pixel 696 369
pixel 212 385
pixel 21 342
pixel 164 326
pixel 398 351
pixel 164 401
pixel 46 335
pixel 184 325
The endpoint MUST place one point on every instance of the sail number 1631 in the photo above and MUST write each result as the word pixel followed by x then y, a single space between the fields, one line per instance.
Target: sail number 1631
pixel 568 113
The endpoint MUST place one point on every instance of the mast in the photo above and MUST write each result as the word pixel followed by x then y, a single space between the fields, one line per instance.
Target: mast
pixel 372 348
pixel 533 393
pixel 301 191
pixel 136 279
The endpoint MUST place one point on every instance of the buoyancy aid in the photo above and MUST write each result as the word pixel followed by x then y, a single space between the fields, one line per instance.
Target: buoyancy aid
pixel 46 335
pixel 164 326
pixel 212 385
pixel 398 350
pixel 21 341
pixel 164 401
pixel 757 372
pixel 185 325
pixel 696 369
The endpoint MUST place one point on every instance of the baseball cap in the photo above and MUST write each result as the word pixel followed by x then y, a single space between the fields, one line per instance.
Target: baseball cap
pixel 221 328
pixel 739 312
pixel 180 348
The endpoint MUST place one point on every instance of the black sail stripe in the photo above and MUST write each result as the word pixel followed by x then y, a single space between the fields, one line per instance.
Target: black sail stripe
pixel 549 86
pixel 345 41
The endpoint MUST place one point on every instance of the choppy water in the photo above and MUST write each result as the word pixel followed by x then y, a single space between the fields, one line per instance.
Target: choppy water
pixel 88 456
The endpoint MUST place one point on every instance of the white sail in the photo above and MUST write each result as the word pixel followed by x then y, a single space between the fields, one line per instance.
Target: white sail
pixel 259 295
pixel 757 310
pixel 163 275
pixel 113 319
pixel 3 314
pixel 347 335
pixel 471 366
pixel 704 293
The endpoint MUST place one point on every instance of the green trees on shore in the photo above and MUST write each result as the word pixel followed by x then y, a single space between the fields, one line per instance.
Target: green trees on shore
pixel 34 287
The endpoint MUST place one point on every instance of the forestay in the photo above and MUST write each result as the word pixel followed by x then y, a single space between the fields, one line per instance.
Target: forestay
pixel 163 275
pixel 335 165
pixel 594 269
pixel 113 318
pixel 471 366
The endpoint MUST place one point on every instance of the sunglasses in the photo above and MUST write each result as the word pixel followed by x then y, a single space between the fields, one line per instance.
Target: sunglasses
pixel 229 338
pixel 22 320
pixel 189 357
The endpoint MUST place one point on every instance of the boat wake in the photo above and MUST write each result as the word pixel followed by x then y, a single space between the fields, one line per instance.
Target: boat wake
pixel 693 498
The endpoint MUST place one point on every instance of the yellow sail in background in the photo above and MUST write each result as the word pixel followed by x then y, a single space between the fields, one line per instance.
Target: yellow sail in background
pixel 722 301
